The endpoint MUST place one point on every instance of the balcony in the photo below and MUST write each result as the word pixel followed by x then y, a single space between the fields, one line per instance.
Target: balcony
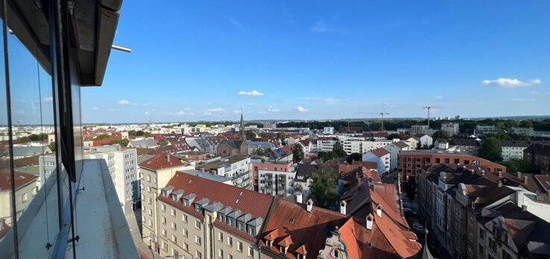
pixel 100 224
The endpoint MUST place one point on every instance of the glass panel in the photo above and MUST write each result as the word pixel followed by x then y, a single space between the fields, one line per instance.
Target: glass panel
pixel 35 162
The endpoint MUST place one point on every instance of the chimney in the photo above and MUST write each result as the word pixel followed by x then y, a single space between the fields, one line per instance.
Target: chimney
pixel 525 178
pixel 499 183
pixel 343 205
pixel 499 174
pixel 519 174
pixel 299 198
pixel 524 208
pixel 167 157
pixel 309 205
pixel 370 221
pixel 379 211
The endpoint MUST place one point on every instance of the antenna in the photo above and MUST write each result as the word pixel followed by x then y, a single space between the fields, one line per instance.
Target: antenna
pixel 382 119
pixel 428 108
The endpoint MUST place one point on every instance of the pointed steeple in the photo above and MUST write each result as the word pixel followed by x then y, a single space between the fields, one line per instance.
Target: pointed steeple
pixel 243 135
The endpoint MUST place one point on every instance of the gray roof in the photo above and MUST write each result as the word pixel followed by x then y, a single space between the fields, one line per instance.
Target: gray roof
pixel 206 175
pixel 226 210
pixel 143 143
pixel 216 206
pixel 260 144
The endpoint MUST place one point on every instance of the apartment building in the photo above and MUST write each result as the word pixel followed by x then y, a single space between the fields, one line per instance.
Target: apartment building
pixel 411 162
pixel 323 144
pixel 155 173
pixel 123 168
pixel 200 218
pixel 25 189
pixel 513 149
pixel 419 129
pixel 353 145
pixel 539 155
pixel 381 157
pixel 450 128
pixel 269 166
pixel 367 146
pixel 236 168
pixel 277 180
pixel 485 129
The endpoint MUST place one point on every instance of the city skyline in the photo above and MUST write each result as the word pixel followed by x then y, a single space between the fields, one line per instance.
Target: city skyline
pixel 316 60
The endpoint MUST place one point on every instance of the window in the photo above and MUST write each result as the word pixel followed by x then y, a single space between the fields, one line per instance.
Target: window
pixel 185 246
pixel 162 207
pixel 220 236
pixel 185 233
pixel 197 240
pixel 239 246
pixel 174 225
pixel 220 253
pixel 163 232
pixel 197 224
pixel 173 212
pixel 184 218
pixel 229 241
pixel 163 220
pixel 198 254
pixel 229 256
pixel 162 245
pixel 250 251
pixel 174 239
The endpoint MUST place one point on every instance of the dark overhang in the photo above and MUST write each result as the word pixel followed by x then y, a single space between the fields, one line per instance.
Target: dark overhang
pixel 93 24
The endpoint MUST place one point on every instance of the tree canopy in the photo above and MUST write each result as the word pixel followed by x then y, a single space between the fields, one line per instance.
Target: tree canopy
pixel 297 153
pixel 491 149
pixel 324 190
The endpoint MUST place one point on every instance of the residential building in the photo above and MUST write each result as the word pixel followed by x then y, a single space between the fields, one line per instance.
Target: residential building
pixel 328 130
pixel 277 182
pixel 353 145
pixel 25 189
pixel 324 144
pixel 513 149
pixel 155 173
pixel 381 157
pixel 539 155
pixel 143 143
pixel 411 162
pixel 394 150
pixel 468 146
pixel 450 128
pixel 268 166
pixel 236 168
pixel 303 181
pixel 426 141
pixel 419 129
pixel 123 168
pixel 523 131
pixel 485 129
pixel 200 218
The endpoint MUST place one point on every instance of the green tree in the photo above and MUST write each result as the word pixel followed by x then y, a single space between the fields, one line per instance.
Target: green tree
pixel 441 135
pixel 324 190
pixel 393 136
pixel 491 149
pixel 297 153
pixel 354 157
pixel 250 135
pixel 338 150
pixel 521 165
pixel 123 142
pixel 52 146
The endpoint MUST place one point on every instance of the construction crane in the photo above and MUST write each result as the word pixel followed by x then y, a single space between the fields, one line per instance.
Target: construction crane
pixel 382 114
pixel 428 109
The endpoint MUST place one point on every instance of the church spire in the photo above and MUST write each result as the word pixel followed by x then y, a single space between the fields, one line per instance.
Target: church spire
pixel 243 135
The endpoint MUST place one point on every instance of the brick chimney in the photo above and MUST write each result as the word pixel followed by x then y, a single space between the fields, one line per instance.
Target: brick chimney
pixel 379 211
pixel 370 221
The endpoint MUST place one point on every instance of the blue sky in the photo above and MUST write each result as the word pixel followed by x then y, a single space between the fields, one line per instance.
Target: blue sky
pixel 207 60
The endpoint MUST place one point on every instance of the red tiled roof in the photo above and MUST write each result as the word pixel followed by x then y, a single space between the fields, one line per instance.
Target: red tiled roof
pixel 385 195
pixel 21 179
pixel 161 161
pixel 306 229
pixel 385 239
pixel 237 198
pixel 286 241
pixel 401 144
pixel 379 152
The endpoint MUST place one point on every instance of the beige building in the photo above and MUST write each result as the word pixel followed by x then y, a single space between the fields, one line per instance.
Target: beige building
pixel 199 218
pixel 155 174
pixel 25 189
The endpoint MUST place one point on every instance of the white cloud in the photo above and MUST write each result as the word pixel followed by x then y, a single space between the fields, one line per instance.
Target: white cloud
pixel 523 100
pixel 214 111
pixel 95 108
pixel 251 93
pixel 124 102
pixel 320 26
pixel 182 112
pixel 511 82
pixel 48 99
pixel 147 113
pixel 273 110
pixel 301 109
